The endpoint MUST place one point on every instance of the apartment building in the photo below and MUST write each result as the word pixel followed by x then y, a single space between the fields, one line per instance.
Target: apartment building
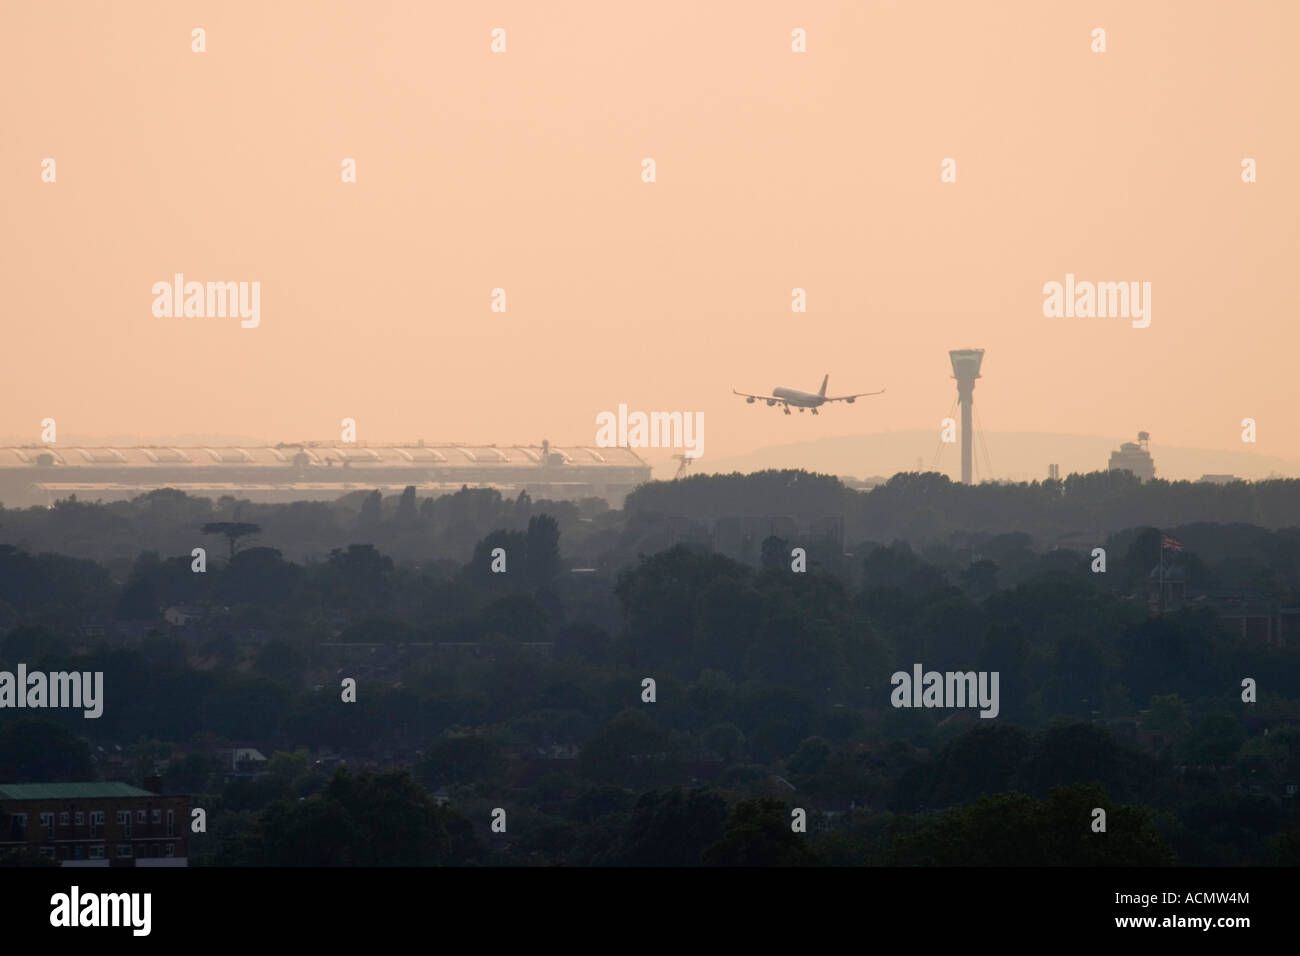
pixel 105 824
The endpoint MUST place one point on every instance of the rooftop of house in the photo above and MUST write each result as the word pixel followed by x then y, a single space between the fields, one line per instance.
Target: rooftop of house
pixel 69 791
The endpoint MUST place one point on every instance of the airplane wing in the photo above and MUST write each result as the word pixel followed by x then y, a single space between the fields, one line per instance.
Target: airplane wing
pixel 849 398
pixel 765 398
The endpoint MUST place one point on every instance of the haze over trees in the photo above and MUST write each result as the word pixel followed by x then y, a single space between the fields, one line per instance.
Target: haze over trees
pixel 523 689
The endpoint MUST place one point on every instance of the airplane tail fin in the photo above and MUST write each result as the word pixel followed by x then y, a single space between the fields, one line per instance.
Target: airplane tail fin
pixel 824 381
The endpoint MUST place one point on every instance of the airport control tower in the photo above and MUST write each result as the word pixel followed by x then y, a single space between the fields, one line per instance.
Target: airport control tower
pixel 965 369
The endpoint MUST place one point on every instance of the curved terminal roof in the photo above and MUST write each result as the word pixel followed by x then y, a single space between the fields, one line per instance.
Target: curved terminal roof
pixel 318 455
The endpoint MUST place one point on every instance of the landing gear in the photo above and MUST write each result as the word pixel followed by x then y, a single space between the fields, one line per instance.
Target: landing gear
pixel 800 409
pixel 814 411
pixel 786 409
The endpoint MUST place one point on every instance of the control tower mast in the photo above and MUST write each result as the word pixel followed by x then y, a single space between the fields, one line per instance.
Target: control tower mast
pixel 965 369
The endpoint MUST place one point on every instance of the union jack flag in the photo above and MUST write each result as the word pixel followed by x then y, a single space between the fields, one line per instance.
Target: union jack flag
pixel 1170 543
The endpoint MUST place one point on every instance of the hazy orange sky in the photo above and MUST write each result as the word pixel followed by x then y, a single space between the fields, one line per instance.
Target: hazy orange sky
pixel 522 170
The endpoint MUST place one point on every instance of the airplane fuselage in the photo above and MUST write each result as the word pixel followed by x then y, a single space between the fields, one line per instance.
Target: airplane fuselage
pixel 789 398
pixel 792 396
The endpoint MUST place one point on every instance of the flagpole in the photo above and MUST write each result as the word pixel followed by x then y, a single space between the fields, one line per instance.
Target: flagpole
pixel 1162 573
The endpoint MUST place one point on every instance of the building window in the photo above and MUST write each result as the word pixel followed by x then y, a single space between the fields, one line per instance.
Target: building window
pixel 97 852
pixel 47 851
pixel 96 822
pixel 18 827
pixel 47 821
pixel 63 818
pixel 81 819
pixel 171 849
pixel 124 821
pixel 171 822
pixel 123 849
pixel 157 816
pixel 139 816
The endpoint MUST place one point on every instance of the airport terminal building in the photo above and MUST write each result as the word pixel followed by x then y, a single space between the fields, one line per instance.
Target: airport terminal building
pixel 316 471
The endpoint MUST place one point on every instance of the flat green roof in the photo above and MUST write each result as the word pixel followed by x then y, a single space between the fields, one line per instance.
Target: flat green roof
pixel 69 791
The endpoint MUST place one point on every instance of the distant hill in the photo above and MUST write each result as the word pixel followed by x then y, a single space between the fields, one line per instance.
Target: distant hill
pixel 1018 456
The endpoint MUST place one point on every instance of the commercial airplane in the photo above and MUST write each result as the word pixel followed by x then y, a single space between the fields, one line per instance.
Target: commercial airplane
pixel 787 397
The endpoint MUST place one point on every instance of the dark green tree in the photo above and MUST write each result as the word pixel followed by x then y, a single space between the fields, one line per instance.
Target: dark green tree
pixel 759 833
pixel 542 549
pixel 775 554
pixel 673 827
pixel 36 750
pixel 368 518
pixel 462 759
pixel 405 517
pixel 232 531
